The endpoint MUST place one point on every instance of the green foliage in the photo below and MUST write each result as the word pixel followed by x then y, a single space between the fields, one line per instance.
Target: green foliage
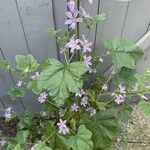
pixel 125 75
pixel 104 127
pixel 55 140
pixel 25 121
pixel 40 146
pixel 61 79
pixel 81 140
pixel 25 64
pixel 99 18
pixel 145 107
pixel 5 65
pixel 124 53
pixel 125 113
pixel 17 147
pixel 18 141
pixel 33 86
pixel 51 32
pixel 142 80
pixel 15 92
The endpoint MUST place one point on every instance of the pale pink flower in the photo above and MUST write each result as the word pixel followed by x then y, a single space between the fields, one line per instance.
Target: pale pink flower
pixel 71 6
pixel 85 14
pixel 84 101
pixel 86 44
pixel 92 112
pixel 62 127
pixel 35 76
pixel 43 113
pixel 2 142
pixel 19 83
pixel 87 60
pixel 119 99
pixel 42 98
pixel 73 19
pixel 8 113
pixel 73 44
pixel 80 94
pixel 104 87
pixel 90 1
pixel 122 89
pixel 74 107
pixel 101 59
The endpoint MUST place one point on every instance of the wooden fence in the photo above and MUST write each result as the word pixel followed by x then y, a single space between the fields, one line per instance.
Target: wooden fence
pixel 21 32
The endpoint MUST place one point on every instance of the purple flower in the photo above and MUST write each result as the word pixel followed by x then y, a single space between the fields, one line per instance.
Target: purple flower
pixel 2 142
pixel 101 59
pixel 73 44
pixel 73 19
pixel 122 89
pixel 104 87
pixel 87 60
pixel 71 6
pixel 90 1
pixel 35 76
pixel 19 83
pixel 80 94
pixel 42 98
pixel 43 113
pixel 74 107
pixel 84 101
pixel 86 44
pixel 8 113
pixel 119 99
pixel 85 14
pixel 92 112
pixel 62 127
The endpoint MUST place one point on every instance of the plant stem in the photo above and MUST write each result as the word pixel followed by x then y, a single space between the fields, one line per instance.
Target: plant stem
pixel 71 58
pixel 78 28
pixel 50 135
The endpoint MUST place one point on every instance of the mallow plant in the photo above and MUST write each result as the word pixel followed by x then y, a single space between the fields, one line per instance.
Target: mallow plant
pixel 81 108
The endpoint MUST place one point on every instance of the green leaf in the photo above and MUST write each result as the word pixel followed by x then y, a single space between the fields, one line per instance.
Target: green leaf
pixel 125 113
pixel 17 147
pixel 40 146
pixel 104 127
pixel 33 86
pixel 124 53
pixel 25 121
pixel 20 139
pixel 5 65
pixel 125 75
pixel 145 107
pixel 15 92
pixel 26 64
pixel 51 32
pixel 56 141
pixel 22 136
pixel 99 18
pixel 81 141
pixel 60 80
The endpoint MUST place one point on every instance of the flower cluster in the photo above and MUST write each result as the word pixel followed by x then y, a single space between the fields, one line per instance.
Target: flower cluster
pixel 8 113
pixel 120 98
pixel 84 103
pixel 35 76
pixel 62 127
pixel 42 98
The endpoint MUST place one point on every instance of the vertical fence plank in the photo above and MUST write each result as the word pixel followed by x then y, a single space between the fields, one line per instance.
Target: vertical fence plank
pixel 5 83
pixel 138 18
pixel 59 16
pixel 115 14
pixel 36 16
pixel 12 43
